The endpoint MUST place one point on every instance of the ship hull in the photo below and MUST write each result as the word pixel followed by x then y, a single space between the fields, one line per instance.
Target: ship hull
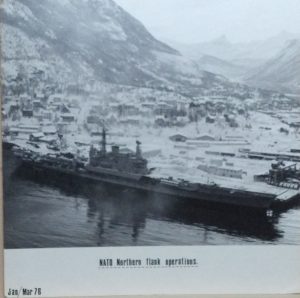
pixel 6 145
pixel 205 195
pixel 11 162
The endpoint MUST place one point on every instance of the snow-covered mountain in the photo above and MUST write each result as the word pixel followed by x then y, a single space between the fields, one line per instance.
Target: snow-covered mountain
pixel 222 67
pixel 281 72
pixel 241 53
pixel 71 39
pixel 271 63
pixel 96 35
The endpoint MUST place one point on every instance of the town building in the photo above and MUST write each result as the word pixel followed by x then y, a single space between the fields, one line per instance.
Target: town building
pixel 221 171
pixel 178 138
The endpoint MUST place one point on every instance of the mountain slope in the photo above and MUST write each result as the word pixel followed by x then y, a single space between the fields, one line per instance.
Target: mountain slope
pixel 93 39
pixel 219 66
pixel 282 72
pixel 222 48
pixel 90 33
pixel 272 63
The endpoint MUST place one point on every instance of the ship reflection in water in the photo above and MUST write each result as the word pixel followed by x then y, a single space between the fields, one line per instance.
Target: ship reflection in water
pixel 47 212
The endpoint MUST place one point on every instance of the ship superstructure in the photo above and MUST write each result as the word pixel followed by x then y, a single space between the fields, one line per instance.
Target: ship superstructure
pixel 132 165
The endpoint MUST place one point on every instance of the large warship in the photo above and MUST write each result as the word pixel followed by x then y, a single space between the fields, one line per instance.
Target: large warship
pixel 130 170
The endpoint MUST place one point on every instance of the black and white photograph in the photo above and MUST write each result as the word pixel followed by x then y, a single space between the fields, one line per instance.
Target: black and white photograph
pixel 150 123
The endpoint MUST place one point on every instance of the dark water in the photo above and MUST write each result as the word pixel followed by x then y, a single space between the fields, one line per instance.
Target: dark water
pixel 43 211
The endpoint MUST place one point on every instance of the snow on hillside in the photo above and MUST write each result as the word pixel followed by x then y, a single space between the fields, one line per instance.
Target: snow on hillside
pixel 96 40
pixel 281 72
pixel 241 61
pixel 13 8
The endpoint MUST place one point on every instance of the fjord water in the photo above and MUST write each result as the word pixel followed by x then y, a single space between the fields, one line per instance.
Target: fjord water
pixel 41 211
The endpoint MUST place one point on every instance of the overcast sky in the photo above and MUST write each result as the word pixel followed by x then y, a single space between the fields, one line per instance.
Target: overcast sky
pixel 192 21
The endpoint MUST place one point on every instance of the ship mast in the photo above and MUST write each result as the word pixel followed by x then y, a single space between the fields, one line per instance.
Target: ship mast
pixel 103 142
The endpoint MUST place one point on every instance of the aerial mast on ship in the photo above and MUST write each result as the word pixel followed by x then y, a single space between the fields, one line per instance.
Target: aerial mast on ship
pixel 103 141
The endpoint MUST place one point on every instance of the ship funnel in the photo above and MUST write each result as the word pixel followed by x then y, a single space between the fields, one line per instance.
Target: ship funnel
pixel 115 150
pixel 138 149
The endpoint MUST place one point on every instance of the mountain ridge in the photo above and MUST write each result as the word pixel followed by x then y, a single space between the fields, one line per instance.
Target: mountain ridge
pixel 281 72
